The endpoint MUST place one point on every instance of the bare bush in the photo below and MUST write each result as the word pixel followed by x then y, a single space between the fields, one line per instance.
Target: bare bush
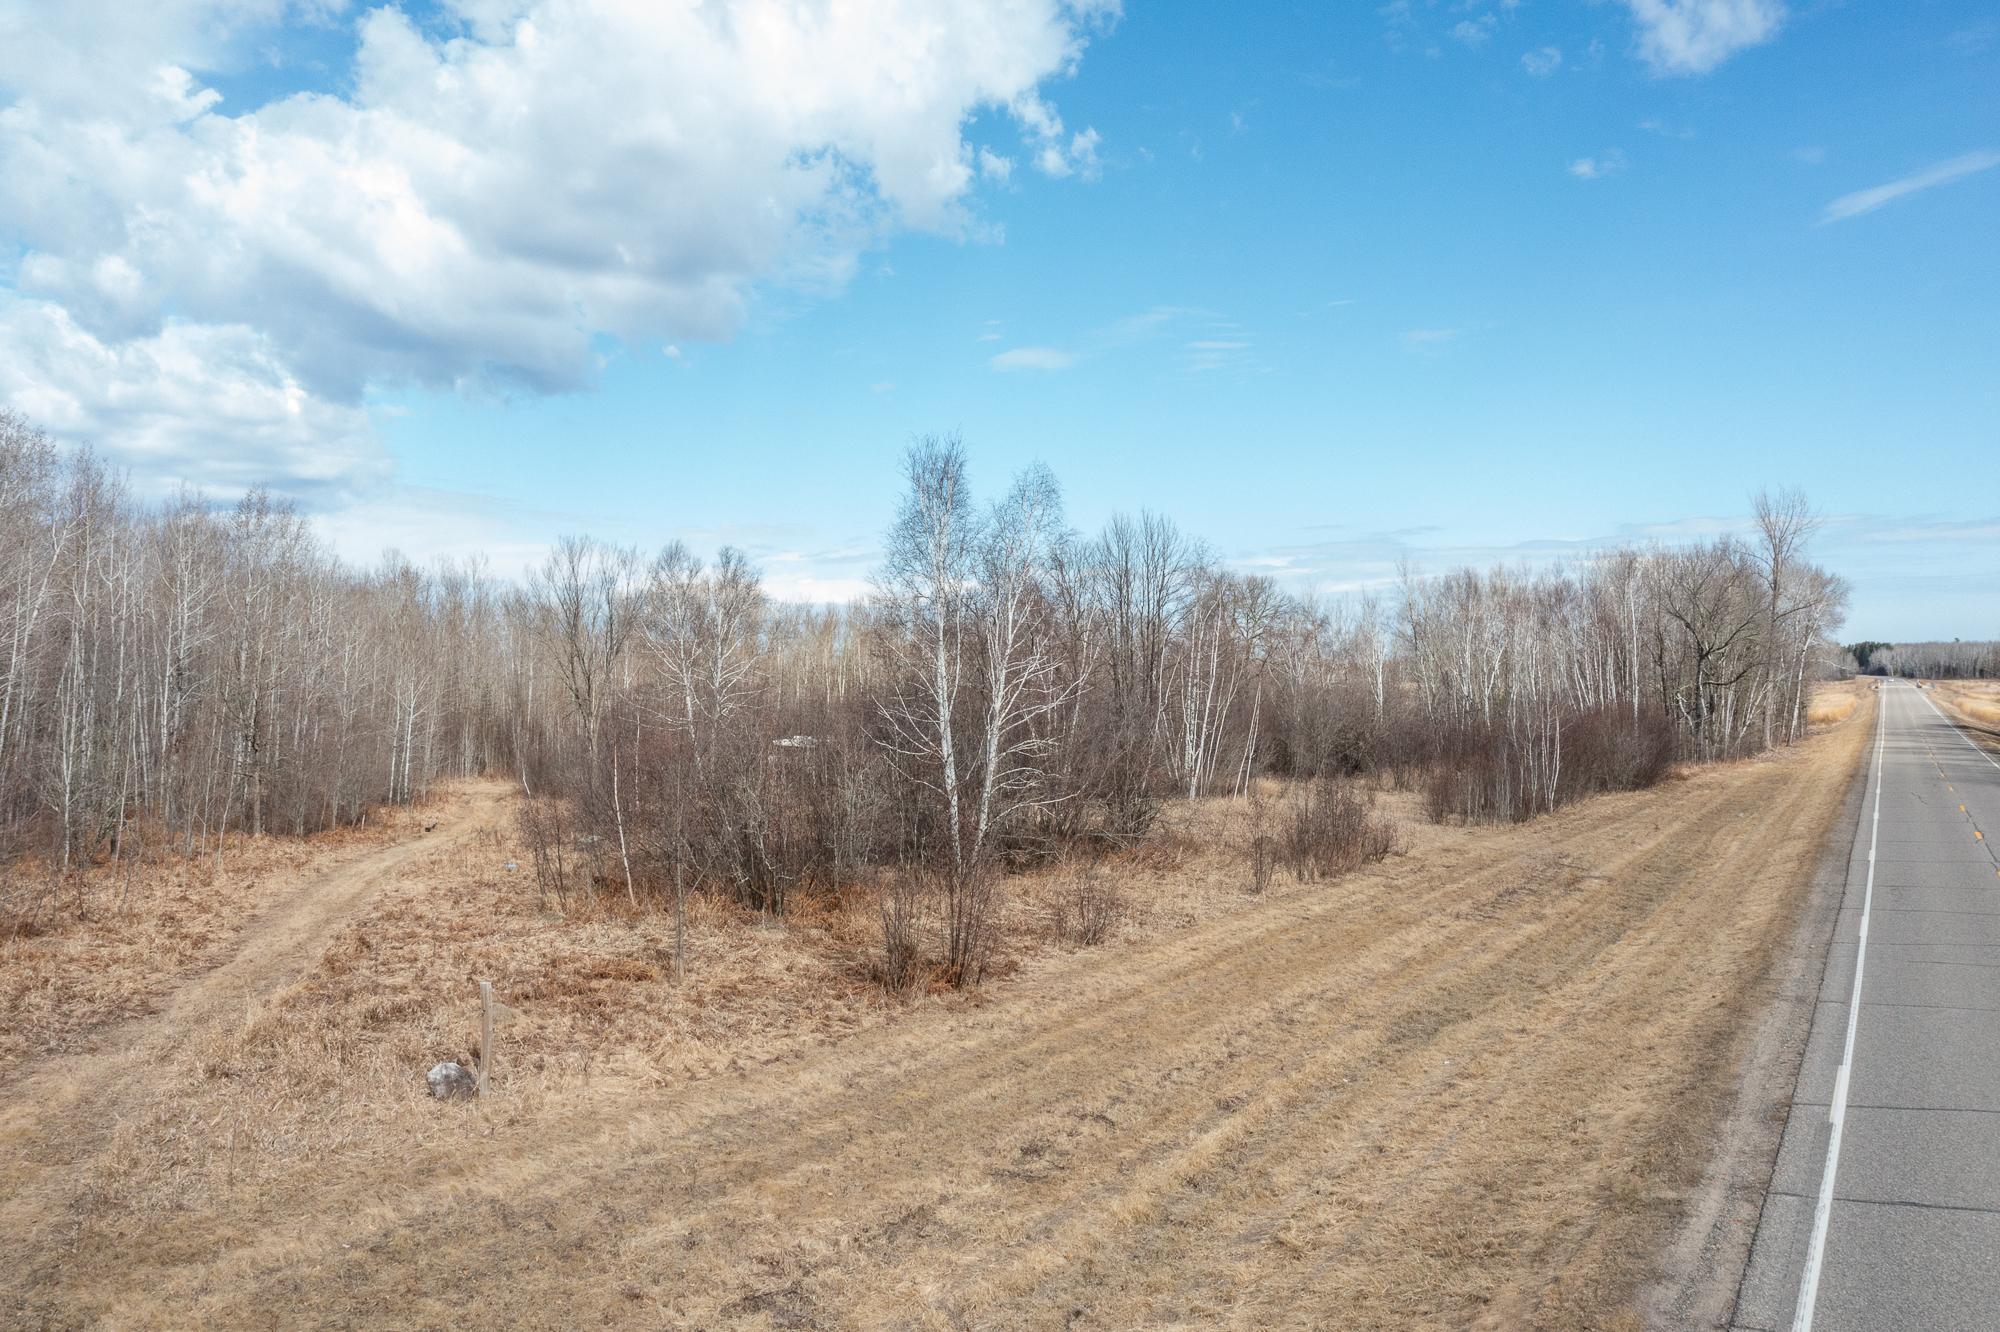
pixel 899 905
pixel 1088 907
pixel 548 832
pixel 1263 846
pixel 1496 774
pixel 1333 829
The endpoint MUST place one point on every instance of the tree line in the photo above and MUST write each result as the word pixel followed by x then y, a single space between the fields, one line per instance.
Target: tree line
pixel 1956 660
pixel 1012 689
pixel 172 672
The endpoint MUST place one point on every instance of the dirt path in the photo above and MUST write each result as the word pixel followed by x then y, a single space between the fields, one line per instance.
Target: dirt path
pixel 58 1113
pixel 1473 1086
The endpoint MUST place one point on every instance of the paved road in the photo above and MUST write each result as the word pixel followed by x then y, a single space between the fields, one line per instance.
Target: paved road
pixel 1889 1218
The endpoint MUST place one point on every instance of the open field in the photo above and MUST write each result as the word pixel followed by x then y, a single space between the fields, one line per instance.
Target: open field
pixel 1975 701
pixel 1834 701
pixel 1474 1084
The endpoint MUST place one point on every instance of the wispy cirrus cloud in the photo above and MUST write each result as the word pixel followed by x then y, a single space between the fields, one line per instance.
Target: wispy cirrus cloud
pixel 1429 341
pixel 1033 358
pixel 1886 557
pixel 1201 355
pixel 1208 342
pixel 1975 38
pixel 1941 173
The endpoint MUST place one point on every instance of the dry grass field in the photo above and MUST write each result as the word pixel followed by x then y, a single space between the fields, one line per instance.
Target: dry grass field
pixel 1835 701
pixel 1473 1085
pixel 1975 701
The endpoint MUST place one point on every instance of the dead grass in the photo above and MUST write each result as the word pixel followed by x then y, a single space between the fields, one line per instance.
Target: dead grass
pixel 104 946
pixel 1468 1085
pixel 1976 701
pixel 1833 702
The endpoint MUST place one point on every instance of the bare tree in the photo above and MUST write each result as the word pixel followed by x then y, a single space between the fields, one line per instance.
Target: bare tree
pixel 1785 523
pixel 585 596
pixel 974 677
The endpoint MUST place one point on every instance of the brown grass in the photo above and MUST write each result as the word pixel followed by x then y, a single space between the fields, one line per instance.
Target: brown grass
pixel 104 946
pixel 1976 701
pixel 1833 702
pixel 1471 1084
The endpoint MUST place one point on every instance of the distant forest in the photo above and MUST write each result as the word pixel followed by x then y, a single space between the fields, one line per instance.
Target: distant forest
pixel 1956 660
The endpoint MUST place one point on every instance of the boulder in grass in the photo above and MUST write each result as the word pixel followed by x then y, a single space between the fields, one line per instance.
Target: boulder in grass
pixel 452 1082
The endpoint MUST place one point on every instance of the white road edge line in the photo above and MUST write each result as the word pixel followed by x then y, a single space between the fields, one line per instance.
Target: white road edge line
pixel 1958 730
pixel 1802 1314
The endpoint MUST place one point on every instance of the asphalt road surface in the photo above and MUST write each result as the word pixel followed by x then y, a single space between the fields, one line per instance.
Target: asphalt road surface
pixel 1884 1210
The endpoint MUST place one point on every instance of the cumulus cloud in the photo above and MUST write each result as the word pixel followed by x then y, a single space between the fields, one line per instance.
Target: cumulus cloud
pixel 1943 173
pixel 1655 125
pixel 1544 62
pixel 1473 32
pixel 1694 36
pixel 1607 163
pixel 208 405
pixel 483 197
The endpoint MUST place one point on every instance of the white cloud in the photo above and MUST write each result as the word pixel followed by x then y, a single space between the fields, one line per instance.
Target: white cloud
pixel 1694 36
pixel 1033 358
pixel 1473 32
pixel 1040 125
pixel 1079 158
pixel 1943 173
pixel 483 197
pixel 1543 62
pixel 1083 153
pixel 427 525
pixel 1429 341
pixel 209 405
pixel 1213 343
pixel 1203 355
pixel 1607 163
pixel 812 589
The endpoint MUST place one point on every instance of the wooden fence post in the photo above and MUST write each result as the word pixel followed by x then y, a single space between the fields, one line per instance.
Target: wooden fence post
pixel 485 1032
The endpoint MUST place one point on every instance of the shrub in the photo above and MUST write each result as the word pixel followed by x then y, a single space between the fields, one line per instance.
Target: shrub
pixel 1333 829
pixel 1263 847
pixel 1500 774
pixel 899 905
pixel 1087 908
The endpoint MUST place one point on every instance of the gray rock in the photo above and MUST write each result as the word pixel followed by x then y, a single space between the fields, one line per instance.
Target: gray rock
pixel 451 1082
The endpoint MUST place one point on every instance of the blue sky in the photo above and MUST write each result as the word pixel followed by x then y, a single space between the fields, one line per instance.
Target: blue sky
pixel 1330 285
